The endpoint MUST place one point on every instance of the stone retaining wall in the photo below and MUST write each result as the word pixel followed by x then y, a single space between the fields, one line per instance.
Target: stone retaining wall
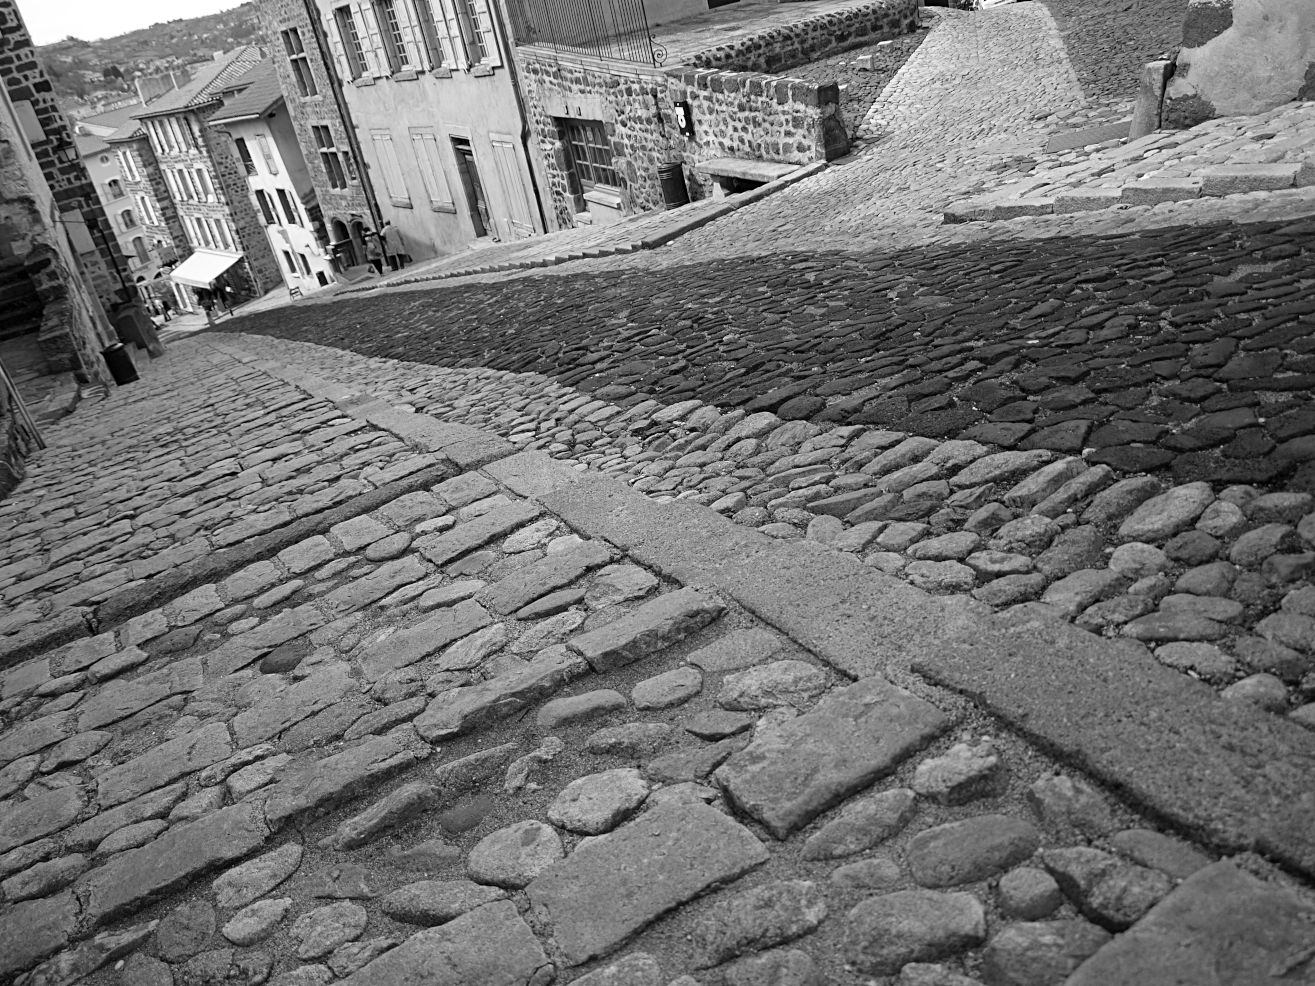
pixel 752 115
pixel 780 48
pixel 741 105
pixel 736 114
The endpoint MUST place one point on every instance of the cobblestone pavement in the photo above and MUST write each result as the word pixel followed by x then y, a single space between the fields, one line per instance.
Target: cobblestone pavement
pixel 721 617
pixel 483 728
pixel 635 233
pixel 1271 151
pixel 181 471
pixel 862 73
pixel 977 91
pixel 1108 41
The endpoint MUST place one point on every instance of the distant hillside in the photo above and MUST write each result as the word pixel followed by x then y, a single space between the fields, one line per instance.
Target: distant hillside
pixel 89 73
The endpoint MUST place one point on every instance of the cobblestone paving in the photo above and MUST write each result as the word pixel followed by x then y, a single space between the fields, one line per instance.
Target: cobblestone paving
pixel 1108 41
pixel 193 459
pixel 452 734
pixel 1174 326
pixel 445 736
pixel 1270 151
pixel 1009 521
pixel 970 95
pixel 860 87
pixel 632 234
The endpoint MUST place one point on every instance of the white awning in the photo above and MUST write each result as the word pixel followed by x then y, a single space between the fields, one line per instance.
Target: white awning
pixel 202 267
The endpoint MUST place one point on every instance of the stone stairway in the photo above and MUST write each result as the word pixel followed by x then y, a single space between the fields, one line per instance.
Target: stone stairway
pixel 1269 152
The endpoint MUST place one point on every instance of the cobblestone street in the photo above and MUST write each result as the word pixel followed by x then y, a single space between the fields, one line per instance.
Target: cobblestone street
pixel 831 596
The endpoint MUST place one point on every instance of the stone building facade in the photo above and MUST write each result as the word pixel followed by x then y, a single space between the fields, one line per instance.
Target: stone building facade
pixel 35 245
pixel 278 177
pixel 144 182
pixel 429 84
pixel 51 137
pixel 736 114
pixel 740 101
pixel 206 179
pixel 313 95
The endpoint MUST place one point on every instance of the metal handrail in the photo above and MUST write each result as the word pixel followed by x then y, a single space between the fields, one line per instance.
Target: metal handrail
pixel 27 426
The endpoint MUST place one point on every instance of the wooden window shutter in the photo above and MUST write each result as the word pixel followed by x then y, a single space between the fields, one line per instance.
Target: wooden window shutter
pixel 412 39
pixel 338 45
pixel 460 57
pixel 371 40
pixel 484 24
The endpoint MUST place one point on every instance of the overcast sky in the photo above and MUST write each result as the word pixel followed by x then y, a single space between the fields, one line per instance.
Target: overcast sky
pixel 54 20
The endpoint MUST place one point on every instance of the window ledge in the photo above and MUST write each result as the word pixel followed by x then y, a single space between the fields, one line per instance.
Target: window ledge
pixel 443 207
pixel 313 98
pixel 603 196
pixel 406 75
pixel 363 80
pixel 401 203
pixel 442 72
pixel 482 70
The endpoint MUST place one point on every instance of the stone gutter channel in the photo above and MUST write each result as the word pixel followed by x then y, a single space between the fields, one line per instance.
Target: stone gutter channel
pixel 519 722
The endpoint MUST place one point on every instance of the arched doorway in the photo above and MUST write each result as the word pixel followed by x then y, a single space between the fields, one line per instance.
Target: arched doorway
pixel 344 251
pixel 358 239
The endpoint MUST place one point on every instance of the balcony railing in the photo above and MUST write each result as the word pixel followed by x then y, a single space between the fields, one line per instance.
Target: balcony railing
pixel 606 28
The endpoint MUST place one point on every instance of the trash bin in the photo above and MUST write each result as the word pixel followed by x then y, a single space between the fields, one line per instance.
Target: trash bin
pixel 119 360
pixel 674 191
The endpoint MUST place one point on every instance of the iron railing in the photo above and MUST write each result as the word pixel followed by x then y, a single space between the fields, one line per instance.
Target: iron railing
pixel 605 28
pixel 25 430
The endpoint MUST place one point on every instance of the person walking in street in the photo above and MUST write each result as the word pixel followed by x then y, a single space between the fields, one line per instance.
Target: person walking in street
pixel 374 252
pixel 394 247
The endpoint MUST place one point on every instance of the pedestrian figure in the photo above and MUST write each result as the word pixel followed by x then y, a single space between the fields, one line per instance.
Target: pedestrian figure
pixel 394 246
pixel 374 252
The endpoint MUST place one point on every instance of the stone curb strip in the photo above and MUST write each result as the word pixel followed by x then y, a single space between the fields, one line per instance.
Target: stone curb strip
pixel 650 242
pixel 1236 778
pixel 119 607
pixel 465 448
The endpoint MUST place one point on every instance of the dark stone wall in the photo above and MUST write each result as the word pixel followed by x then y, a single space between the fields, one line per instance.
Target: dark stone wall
pixel 25 80
pixel 741 103
pixel 780 48
pixel 231 183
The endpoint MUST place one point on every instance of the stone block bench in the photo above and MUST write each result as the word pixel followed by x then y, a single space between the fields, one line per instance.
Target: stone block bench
pixel 733 174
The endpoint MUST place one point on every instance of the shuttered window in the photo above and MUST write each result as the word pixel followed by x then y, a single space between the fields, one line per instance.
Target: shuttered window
pixel 386 152
pixel 351 41
pixel 425 145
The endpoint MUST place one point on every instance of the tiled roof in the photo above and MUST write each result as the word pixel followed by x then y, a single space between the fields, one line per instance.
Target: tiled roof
pixel 113 118
pixel 259 90
pixel 131 129
pixel 209 81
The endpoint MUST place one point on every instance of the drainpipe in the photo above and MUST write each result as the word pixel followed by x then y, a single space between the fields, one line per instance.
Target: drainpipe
pixel 496 7
pixel 335 86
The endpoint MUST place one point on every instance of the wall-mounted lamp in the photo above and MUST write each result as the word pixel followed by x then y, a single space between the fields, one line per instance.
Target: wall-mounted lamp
pixel 66 154
pixel 684 117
